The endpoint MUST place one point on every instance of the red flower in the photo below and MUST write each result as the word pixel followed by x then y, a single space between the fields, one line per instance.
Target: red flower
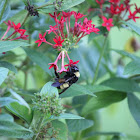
pixel 87 22
pixel 132 15
pixel 58 41
pixel 52 28
pixel 77 15
pixel 61 21
pixel 54 16
pixel 53 65
pixel 9 24
pixel 137 9
pixel 66 14
pixel 22 36
pixel 72 63
pixel 122 8
pixel 41 39
pixel 107 23
pixel 87 27
pixel 114 9
pixel 84 29
pixel 17 28
pixel 95 30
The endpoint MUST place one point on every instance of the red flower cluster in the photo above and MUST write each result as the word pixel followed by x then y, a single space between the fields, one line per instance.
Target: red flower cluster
pixel 16 30
pixel 73 34
pixel 65 35
pixel 117 9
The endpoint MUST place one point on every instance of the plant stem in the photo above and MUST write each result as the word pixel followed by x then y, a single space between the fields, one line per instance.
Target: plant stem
pixel 43 6
pixel 3 9
pixel 77 136
pixel 38 127
pixel 25 81
pixel 99 60
pixel 25 19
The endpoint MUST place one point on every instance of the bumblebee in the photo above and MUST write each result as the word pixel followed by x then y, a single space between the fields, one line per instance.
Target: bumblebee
pixel 71 77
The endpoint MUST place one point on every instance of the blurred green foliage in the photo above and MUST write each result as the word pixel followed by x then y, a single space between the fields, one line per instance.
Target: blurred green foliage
pixel 104 105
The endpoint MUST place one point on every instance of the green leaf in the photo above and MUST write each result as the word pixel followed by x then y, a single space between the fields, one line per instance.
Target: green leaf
pixel 132 68
pixel 135 27
pixel 6 117
pixel 20 99
pixel 78 125
pixel 10 45
pixel 27 95
pixel 66 116
pixel 39 58
pixel 6 11
pixel 67 4
pixel 103 99
pixel 133 57
pixel 25 2
pixel 104 133
pixel 8 66
pixel 49 90
pixel 121 84
pixel 6 100
pixel 76 90
pixel 13 130
pixel 20 111
pixel 132 137
pixel 78 102
pixel 62 128
pixel 98 88
pixel 3 74
pixel 36 119
pixel 134 107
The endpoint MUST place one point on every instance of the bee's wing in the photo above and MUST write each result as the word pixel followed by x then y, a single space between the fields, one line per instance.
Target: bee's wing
pixel 57 84
pixel 69 79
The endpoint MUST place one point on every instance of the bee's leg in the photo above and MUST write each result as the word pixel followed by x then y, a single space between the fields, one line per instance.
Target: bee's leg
pixel 56 74
pixel 63 90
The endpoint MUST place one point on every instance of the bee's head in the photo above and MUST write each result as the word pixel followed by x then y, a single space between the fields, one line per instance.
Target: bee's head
pixel 74 68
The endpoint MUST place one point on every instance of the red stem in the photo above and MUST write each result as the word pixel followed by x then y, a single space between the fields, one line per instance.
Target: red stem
pixel 49 43
pixel 6 32
pixel 10 35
